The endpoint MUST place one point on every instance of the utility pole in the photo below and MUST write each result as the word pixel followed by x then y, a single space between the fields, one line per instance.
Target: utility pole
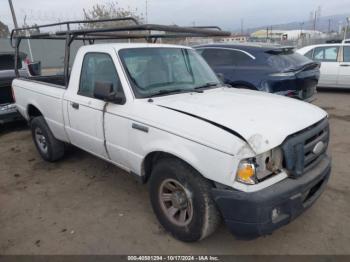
pixel 301 29
pixel 315 19
pixel 346 27
pixel 267 34
pixel 271 33
pixel 146 11
pixel 16 26
pixel 242 26
pixel 13 14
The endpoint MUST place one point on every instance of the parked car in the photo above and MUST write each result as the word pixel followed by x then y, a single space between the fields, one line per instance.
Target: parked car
pixel 335 63
pixel 8 111
pixel 271 69
pixel 206 150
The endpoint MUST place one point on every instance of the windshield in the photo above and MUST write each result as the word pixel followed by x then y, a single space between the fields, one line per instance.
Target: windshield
pixel 284 62
pixel 160 71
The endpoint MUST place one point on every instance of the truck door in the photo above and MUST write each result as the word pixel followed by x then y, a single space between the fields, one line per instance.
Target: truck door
pixel 85 112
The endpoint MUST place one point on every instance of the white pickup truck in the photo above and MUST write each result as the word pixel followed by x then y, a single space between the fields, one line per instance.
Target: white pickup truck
pixel 208 151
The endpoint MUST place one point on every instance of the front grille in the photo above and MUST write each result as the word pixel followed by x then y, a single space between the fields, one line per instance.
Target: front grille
pixel 299 149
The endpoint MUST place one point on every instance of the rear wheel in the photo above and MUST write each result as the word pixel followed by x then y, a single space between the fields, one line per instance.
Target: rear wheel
pixel 181 199
pixel 48 146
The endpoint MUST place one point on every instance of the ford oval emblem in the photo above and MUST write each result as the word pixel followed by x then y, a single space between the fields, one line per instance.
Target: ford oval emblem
pixel 318 148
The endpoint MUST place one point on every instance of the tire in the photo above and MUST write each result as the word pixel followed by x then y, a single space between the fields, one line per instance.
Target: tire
pixel 49 148
pixel 204 218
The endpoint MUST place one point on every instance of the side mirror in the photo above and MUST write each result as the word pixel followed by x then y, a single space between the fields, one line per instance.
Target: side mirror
pixel 34 68
pixel 104 90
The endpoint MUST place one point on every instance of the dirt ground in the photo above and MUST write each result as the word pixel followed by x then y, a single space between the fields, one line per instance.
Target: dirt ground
pixel 82 205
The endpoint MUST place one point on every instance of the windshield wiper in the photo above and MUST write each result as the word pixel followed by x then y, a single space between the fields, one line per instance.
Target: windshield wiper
pixel 172 91
pixel 207 85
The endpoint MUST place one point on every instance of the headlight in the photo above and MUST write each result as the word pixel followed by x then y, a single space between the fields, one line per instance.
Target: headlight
pixel 251 171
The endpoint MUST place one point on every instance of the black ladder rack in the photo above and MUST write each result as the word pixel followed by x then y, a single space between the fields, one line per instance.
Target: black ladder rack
pixel 134 30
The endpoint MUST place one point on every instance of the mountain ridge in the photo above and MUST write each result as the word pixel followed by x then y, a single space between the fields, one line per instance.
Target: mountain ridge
pixel 322 24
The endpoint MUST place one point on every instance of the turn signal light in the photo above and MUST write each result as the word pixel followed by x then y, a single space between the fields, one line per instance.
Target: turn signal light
pixel 246 173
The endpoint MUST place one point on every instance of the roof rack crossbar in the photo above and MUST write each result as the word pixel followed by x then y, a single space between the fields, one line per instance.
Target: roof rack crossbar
pixel 148 32
pixel 16 31
pixel 148 27
pixel 165 31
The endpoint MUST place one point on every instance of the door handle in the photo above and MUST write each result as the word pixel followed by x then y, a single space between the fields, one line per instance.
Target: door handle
pixel 140 127
pixel 74 105
pixel 344 64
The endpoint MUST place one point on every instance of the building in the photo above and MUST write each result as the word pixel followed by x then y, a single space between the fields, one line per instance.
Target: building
pixel 268 33
pixel 287 34
pixel 235 38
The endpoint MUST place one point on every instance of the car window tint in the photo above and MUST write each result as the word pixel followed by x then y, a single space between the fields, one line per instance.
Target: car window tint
pixel 346 54
pixel 218 57
pixel 241 58
pixel 326 54
pixel 97 67
pixel 283 60
pixel 225 57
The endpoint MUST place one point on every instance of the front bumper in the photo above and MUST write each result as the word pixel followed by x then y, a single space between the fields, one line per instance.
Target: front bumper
pixel 250 215
pixel 306 95
pixel 9 113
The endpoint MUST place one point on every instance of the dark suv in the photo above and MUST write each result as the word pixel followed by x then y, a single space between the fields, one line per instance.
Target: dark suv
pixel 272 69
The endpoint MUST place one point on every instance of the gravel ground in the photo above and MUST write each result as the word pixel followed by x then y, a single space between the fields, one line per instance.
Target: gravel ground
pixel 83 205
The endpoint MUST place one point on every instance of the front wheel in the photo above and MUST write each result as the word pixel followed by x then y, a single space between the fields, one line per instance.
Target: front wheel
pixel 181 199
pixel 48 146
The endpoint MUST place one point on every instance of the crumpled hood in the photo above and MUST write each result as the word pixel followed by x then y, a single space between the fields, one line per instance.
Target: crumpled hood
pixel 263 120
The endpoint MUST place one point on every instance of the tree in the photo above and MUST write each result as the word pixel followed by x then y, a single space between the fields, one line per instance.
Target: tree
pixel 26 25
pixel 4 30
pixel 110 10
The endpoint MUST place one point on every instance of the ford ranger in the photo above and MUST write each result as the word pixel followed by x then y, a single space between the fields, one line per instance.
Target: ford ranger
pixel 208 151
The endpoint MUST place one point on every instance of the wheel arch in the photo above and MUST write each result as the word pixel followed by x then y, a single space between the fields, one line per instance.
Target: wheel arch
pixel 152 157
pixel 33 111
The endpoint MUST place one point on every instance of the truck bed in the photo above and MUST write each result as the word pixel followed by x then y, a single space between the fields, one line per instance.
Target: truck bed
pixel 57 80
pixel 47 98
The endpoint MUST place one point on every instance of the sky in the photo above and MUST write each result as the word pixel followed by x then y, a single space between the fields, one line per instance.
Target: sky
pixel 225 13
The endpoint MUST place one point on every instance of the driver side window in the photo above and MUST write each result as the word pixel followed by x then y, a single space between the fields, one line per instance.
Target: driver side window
pixel 97 67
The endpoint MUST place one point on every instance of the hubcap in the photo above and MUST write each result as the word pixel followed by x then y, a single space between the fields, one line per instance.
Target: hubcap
pixel 176 203
pixel 40 140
